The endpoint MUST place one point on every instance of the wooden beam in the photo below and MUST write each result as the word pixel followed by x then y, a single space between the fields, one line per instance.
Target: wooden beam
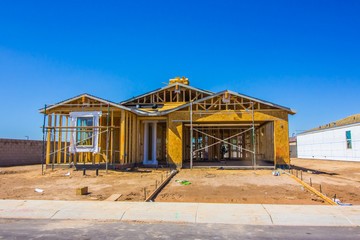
pixel 48 141
pixel 133 137
pixel 54 137
pixel 122 137
pixel 129 137
pixel 66 137
pixel 59 141
pixel 112 138
pixel 126 137
pixel 138 146
pixel 99 157
pixel 152 118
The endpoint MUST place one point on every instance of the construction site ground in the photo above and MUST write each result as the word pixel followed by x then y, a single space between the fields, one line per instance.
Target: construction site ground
pixel 21 182
pixel 207 185
pixel 236 186
pixel 335 177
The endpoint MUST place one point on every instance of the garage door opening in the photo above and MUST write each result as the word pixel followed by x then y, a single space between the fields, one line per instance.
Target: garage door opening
pixel 229 145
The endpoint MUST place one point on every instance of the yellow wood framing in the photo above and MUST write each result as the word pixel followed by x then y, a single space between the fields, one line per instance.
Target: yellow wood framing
pixel 66 137
pixel 48 141
pixel 59 141
pixel 54 137
pixel 122 137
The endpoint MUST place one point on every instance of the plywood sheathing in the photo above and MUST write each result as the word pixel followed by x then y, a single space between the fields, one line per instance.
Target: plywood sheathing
pixel 280 119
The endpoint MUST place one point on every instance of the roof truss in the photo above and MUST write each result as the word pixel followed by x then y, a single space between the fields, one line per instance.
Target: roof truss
pixel 172 93
pixel 85 102
pixel 235 101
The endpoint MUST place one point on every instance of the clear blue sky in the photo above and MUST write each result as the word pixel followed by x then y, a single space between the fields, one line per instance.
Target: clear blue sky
pixel 300 54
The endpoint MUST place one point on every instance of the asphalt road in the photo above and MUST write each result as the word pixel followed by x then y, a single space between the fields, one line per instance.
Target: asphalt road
pixel 85 229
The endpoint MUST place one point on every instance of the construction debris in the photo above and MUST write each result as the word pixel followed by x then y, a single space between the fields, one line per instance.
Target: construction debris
pixel 39 190
pixel 340 203
pixel 183 182
pixel 113 197
pixel 82 191
pixel 173 171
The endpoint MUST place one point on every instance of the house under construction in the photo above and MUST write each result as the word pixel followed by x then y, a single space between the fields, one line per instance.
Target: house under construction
pixel 176 125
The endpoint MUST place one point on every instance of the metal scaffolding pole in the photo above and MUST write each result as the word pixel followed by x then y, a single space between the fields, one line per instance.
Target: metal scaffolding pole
pixel 43 145
pixel 253 136
pixel 191 137
pixel 107 140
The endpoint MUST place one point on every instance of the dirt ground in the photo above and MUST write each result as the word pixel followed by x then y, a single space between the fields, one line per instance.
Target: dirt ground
pixel 236 186
pixel 335 177
pixel 207 185
pixel 20 183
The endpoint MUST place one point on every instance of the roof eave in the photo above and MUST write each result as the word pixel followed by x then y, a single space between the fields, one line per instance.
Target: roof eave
pixel 42 110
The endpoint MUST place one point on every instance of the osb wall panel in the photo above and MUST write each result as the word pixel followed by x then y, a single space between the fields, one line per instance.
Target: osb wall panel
pixel 281 131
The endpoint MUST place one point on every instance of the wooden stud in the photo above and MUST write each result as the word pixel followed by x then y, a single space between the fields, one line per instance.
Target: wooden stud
pixel 122 137
pixel 129 138
pixel 54 137
pixel 126 137
pixel 133 137
pixel 98 156
pixel 59 141
pixel 112 138
pixel 138 146
pixel 66 137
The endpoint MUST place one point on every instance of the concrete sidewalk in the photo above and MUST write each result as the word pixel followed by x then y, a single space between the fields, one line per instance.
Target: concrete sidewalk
pixel 258 214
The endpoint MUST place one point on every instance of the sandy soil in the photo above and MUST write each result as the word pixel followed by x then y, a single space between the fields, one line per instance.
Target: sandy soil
pixel 207 185
pixel 20 183
pixel 335 177
pixel 236 186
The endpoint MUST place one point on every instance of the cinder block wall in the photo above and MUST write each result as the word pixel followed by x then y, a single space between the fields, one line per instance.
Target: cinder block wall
pixel 14 152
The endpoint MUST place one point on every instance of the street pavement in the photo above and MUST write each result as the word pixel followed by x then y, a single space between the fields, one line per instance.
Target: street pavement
pixel 114 229
pixel 199 213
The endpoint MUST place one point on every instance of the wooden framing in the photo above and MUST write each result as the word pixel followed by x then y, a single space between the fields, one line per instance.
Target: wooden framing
pixel 126 125
pixel 169 95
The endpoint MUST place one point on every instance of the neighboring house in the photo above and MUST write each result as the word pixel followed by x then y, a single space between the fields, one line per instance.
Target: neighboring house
pixel 176 125
pixel 293 147
pixel 338 140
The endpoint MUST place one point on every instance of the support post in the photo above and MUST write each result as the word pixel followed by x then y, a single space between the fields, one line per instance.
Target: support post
pixel 253 136
pixel 133 139
pixel 122 137
pixel 146 142
pixel 66 137
pixel 107 139
pixel 153 157
pixel 48 141
pixel 191 137
pixel 43 144
pixel 59 140
pixel 112 137
pixel 54 143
